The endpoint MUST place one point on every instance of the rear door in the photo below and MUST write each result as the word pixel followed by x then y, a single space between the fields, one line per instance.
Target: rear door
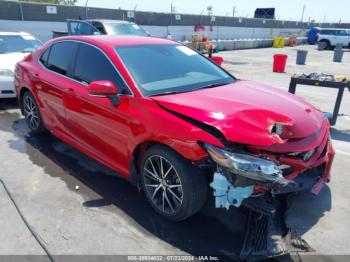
pixel 341 37
pixel 81 28
pixel 54 83
pixel 94 122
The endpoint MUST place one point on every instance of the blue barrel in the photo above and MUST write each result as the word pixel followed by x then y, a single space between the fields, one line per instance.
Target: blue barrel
pixel 312 35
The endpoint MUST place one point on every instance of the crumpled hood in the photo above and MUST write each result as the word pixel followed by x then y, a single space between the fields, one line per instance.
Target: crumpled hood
pixel 245 111
pixel 9 60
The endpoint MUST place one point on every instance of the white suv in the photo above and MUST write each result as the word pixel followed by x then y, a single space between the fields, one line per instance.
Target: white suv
pixel 332 37
pixel 14 46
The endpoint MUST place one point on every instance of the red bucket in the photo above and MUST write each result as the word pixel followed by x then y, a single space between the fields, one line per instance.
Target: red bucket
pixel 279 63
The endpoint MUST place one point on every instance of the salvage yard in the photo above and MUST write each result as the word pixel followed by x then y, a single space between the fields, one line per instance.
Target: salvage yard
pixel 76 206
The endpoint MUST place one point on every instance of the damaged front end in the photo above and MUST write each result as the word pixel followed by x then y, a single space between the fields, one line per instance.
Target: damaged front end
pixel 236 171
pixel 240 175
pixel 261 182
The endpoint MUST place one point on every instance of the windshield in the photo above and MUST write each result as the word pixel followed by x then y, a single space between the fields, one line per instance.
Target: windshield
pixel 124 29
pixel 165 69
pixel 18 43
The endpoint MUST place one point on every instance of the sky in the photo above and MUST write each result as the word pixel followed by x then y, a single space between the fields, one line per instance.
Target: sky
pixel 320 10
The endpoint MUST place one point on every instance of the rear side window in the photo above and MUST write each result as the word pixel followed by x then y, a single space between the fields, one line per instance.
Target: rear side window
pixel 80 28
pixel 60 57
pixel 341 33
pixel 45 56
pixel 327 32
pixel 92 65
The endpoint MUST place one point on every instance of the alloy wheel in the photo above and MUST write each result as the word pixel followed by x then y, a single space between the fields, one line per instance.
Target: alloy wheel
pixel 163 185
pixel 31 113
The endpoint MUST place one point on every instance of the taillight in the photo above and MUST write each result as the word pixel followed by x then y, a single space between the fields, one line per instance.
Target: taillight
pixel 17 71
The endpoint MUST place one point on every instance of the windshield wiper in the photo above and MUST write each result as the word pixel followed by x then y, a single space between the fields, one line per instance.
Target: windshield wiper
pixel 167 93
pixel 212 86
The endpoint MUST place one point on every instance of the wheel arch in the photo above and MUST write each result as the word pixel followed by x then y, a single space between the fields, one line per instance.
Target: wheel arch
pixel 138 152
pixel 22 91
pixel 142 147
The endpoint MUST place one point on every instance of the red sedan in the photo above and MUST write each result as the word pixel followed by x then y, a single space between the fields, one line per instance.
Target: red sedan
pixel 173 122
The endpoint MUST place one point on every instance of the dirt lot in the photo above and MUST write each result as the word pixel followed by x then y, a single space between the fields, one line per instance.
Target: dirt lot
pixel 77 206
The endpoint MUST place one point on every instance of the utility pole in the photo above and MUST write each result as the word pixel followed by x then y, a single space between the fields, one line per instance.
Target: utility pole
pixel 233 11
pixel 171 14
pixel 302 14
pixel 135 14
pixel 21 10
pixel 86 9
pixel 171 18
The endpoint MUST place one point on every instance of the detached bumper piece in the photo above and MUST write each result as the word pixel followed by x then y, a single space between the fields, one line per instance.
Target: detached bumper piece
pixel 312 180
pixel 268 236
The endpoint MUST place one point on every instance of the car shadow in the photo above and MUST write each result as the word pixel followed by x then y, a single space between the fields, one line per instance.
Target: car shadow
pixel 212 231
pixel 306 210
pixel 8 103
pixel 341 135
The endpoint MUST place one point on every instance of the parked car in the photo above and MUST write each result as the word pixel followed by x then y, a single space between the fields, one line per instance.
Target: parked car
pixel 14 46
pixel 101 27
pixel 172 122
pixel 332 37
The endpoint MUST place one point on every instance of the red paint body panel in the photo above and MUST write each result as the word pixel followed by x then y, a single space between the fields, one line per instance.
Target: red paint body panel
pixel 243 112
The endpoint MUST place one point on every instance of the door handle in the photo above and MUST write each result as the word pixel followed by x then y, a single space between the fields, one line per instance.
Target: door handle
pixel 69 91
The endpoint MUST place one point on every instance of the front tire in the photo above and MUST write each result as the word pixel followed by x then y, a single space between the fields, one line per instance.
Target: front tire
pixel 32 114
pixel 173 186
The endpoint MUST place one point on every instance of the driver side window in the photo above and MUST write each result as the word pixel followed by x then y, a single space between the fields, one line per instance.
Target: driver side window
pixel 92 65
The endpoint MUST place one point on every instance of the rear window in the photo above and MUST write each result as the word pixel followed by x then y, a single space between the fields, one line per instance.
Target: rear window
pixel 60 57
pixel 124 29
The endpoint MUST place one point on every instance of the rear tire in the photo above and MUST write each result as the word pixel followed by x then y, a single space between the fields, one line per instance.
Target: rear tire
pixel 328 44
pixel 173 186
pixel 32 114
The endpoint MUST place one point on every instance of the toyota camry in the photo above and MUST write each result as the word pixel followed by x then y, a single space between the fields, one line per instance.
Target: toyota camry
pixel 173 122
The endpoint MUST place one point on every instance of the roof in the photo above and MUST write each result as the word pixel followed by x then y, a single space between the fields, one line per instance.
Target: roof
pixel 334 29
pixel 103 21
pixel 119 40
pixel 107 21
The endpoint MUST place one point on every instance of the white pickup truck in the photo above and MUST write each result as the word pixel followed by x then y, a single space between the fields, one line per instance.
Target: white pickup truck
pixel 331 37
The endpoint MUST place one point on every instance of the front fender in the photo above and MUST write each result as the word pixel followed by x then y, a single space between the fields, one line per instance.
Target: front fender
pixel 156 124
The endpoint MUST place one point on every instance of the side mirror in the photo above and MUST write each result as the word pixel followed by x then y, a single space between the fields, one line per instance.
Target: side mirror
pixel 104 88
pixel 217 59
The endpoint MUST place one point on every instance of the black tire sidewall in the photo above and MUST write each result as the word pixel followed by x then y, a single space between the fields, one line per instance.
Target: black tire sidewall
pixel 40 129
pixel 188 174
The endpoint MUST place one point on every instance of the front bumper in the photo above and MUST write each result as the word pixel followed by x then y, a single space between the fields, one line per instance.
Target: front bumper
pixel 310 174
pixel 7 88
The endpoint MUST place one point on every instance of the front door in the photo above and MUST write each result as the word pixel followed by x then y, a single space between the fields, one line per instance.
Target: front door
pixel 94 121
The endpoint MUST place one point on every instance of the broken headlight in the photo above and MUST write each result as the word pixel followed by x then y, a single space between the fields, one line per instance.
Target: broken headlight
pixel 248 166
